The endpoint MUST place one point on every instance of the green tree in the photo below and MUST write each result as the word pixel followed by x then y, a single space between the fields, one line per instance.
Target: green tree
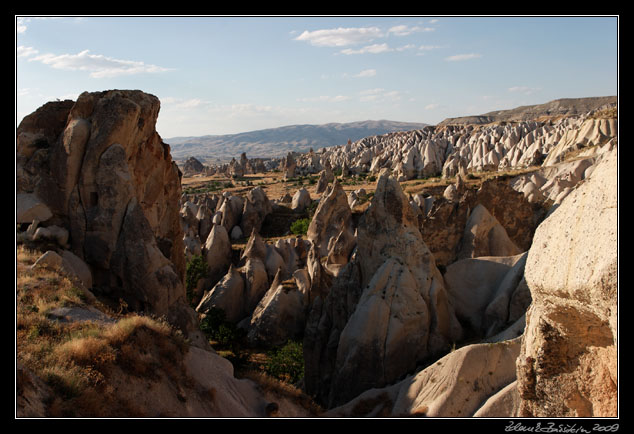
pixel 287 363
pixel 196 269
pixel 300 226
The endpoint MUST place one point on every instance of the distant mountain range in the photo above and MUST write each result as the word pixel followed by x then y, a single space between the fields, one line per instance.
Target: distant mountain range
pixel 277 142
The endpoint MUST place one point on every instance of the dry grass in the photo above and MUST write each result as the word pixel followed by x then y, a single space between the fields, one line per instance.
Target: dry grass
pixel 76 359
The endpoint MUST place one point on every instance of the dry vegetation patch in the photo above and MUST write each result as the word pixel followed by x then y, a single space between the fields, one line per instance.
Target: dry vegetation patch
pixel 77 360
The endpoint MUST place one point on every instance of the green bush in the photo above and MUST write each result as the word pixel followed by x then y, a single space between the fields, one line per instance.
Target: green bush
pixel 196 269
pixel 300 226
pixel 216 327
pixel 287 363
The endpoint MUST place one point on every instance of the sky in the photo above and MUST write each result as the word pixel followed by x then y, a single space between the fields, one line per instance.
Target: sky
pixel 224 75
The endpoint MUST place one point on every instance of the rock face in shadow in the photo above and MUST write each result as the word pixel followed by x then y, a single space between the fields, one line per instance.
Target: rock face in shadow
pixel 386 311
pixel 487 293
pixel 568 361
pixel 451 231
pixel 102 169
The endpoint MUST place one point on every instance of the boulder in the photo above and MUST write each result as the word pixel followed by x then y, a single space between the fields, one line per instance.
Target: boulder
pixel 67 263
pixel 217 253
pixel 255 248
pixel 192 167
pixel 228 295
pixel 279 316
pixel 274 263
pixel 568 361
pixel 256 207
pixel 325 177
pixel 481 290
pixel 204 217
pixel 53 233
pixel 340 249
pixel 231 210
pixel 28 207
pixel 485 236
pixel 256 283
pixel 301 200
pixel 236 233
pixel 287 198
pixel 288 166
pixel 332 217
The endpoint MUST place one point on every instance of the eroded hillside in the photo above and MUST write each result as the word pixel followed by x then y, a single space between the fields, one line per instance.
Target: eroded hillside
pixel 323 270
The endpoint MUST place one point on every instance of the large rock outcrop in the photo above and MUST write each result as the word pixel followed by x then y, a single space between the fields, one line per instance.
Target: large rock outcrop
pixel 387 309
pixel 568 361
pixel 103 171
pixel 333 221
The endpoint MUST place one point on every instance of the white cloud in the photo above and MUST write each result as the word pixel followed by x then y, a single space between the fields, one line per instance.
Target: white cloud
pixel 366 73
pixel 23 51
pixel 340 37
pixel 460 57
pixel 98 65
pixel 403 30
pixel 434 21
pixel 406 47
pixel 524 89
pixel 432 106
pixel 372 49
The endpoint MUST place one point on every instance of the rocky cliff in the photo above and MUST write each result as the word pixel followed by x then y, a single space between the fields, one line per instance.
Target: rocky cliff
pixel 568 361
pixel 97 169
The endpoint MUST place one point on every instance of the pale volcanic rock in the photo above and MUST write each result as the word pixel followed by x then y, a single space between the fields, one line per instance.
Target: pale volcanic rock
pixel 568 362
pixel 107 177
pixel 393 310
pixel 217 253
pixel 279 316
pixel 256 207
pixel 485 236
pixel 301 200
pixel 454 386
pixel 228 294
pixel 333 215
pixel 481 290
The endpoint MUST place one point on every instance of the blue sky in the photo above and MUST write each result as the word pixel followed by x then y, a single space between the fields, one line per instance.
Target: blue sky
pixel 221 75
